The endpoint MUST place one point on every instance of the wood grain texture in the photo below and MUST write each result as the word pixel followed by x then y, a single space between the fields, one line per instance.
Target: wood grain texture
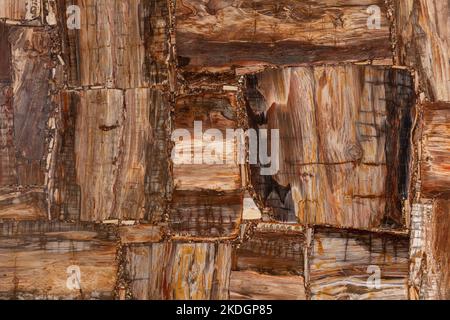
pixel 87 178
pixel 121 44
pixel 250 285
pixel 109 41
pixel 179 271
pixel 25 112
pixel 423 30
pixel 340 261
pixel 207 200
pixel 159 175
pixel 429 258
pixel 142 233
pixel 219 35
pixel 206 215
pixel 35 255
pixel 421 281
pixel 435 153
pixel 350 127
pixel 269 264
pixel 423 44
pixel 156 39
pixel 5 61
pixel 8 173
pixel 272 249
pixel 136 137
pixel 17 203
pixel 114 131
pixel 21 10
pixel 97 151
pixel 67 193
pixel 441 246
pixel 31 70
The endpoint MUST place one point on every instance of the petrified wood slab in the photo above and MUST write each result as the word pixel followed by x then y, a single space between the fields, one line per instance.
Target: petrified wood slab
pixel 345 265
pixel 21 11
pixel 24 120
pixel 8 171
pixel 86 118
pixel 208 197
pixel 5 61
pixel 421 280
pixel 250 285
pixel 423 30
pixel 156 35
pixel 429 254
pixel 205 215
pixel 423 43
pixel 179 271
pixel 159 175
pixel 117 134
pixel 100 123
pixel 67 192
pixel 35 257
pixel 23 203
pixel 121 44
pixel 440 241
pixel 270 264
pixel 219 35
pixel 31 70
pixel 142 233
pixel 435 151
pixel 273 249
pixel 344 142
